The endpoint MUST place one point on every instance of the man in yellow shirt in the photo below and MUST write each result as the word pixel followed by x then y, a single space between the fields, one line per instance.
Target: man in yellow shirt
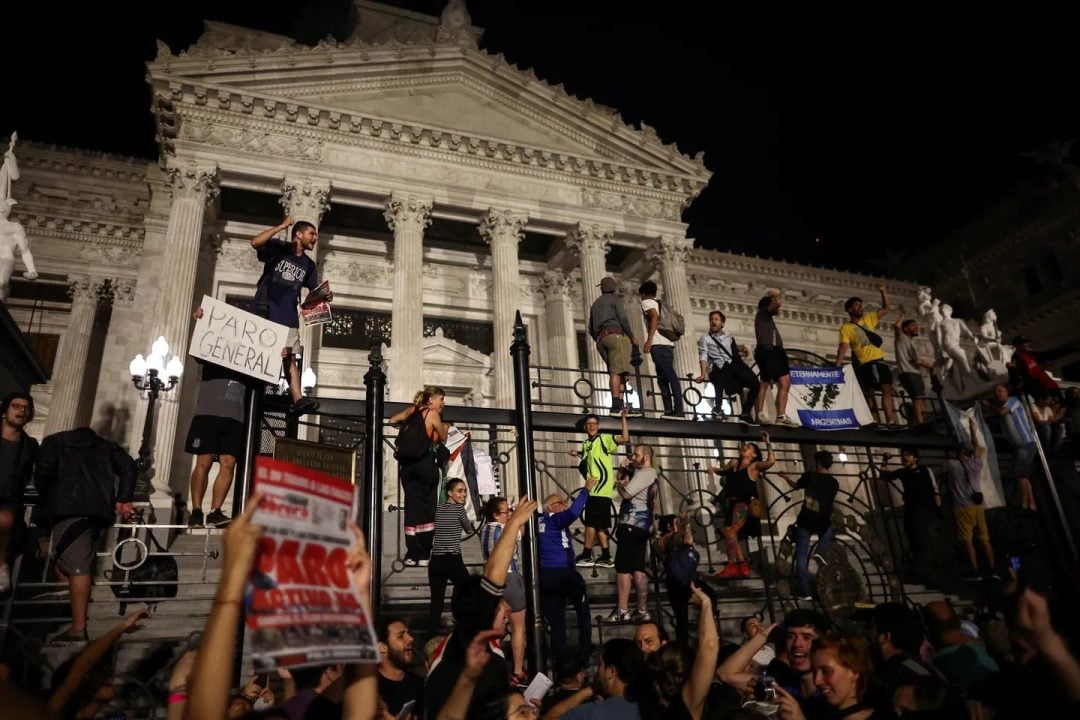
pixel 867 356
pixel 597 454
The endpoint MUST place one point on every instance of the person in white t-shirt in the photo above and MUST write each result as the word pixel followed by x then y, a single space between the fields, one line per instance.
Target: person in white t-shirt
pixel 662 351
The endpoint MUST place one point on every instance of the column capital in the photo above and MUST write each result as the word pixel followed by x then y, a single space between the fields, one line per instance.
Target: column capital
pixel 405 212
pixel 556 285
pixel 120 291
pixel 502 224
pixel 669 249
pixel 86 289
pixel 305 199
pixel 192 181
pixel 588 238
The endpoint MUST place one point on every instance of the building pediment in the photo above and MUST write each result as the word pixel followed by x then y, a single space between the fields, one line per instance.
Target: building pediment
pixel 441 350
pixel 419 90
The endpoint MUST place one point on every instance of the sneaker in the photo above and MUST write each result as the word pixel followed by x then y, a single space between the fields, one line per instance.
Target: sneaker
pixel 5 578
pixel 820 559
pixel 743 570
pixel 804 598
pixel 218 519
pixel 605 561
pixel 409 562
pixel 673 416
pixel 632 411
pixel 731 570
pixel 785 420
pixel 972 577
pixel 748 419
pixel 619 616
pixel 717 413
pixel 585 559
pixel 304 405
pixel 70 637
pixel 196 519
pixel 641 616
pixel 423 562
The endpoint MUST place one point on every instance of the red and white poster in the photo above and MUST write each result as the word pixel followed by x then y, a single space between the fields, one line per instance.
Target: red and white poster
pixel 302 607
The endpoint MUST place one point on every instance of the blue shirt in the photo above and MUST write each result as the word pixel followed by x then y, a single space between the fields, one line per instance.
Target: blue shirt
pixel 284 273
pixel 612 708
pixel 710 352
pixel 556 544
pixel 489 535
pixel 1017 427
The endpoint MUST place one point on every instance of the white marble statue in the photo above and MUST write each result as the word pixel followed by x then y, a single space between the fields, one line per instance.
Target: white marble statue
pixel 933 322
pixel 989 352
pixel 925 301
pixel 950 332
pixel 12 235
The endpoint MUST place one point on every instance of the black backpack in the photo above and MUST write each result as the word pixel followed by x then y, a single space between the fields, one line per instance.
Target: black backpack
pixel 413 442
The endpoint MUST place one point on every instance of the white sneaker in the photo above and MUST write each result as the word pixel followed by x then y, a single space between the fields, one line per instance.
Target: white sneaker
pixel 5 578
pixel 423 563
pixel 619 616
pixel 785 420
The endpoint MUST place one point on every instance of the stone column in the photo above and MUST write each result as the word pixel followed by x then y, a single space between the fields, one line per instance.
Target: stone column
pixel 591 242
pixel 407 218
pixel 192 187
pixel 670 254
pixel 70 367
pixel 503 229
pixel 560 339
pixel 307 200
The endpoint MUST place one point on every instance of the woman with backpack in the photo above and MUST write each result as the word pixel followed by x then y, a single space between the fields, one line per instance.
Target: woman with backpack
pixel 418 471
pixel 676 552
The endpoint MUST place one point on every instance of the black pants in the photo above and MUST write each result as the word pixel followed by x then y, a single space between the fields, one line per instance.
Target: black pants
pixel 679 597
pixel 557 587
pixel 731 379
pixel 420 482
pixel 443 568
pixel 663 357
pixel 918 523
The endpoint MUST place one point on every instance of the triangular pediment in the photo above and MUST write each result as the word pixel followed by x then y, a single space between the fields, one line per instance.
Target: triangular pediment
pixel 441 350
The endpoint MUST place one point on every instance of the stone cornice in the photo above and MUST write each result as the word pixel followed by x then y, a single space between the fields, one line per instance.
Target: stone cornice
pixel 85 163
pixel 293 58
pixel 50 225
pixel 765 268
pixel 623 190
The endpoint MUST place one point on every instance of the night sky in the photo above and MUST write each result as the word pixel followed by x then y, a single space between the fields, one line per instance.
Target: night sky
pixel 843 135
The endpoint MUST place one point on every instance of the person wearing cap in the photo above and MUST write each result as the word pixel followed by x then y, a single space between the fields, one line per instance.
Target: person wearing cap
pixel 610 328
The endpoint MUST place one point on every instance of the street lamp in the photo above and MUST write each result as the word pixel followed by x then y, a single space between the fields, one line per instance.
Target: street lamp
pixel 147 376
pixel 307 380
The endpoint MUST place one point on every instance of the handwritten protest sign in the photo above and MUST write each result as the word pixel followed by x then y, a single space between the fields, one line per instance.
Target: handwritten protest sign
pixel 228 336
pixel 302 605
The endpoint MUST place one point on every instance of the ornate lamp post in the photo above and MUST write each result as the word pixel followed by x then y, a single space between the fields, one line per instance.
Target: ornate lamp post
pixel 146 375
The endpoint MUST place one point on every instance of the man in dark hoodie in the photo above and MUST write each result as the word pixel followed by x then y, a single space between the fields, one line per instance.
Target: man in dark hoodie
pixel 75 475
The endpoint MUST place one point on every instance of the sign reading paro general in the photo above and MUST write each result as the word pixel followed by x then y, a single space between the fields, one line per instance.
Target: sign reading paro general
pixel 238 340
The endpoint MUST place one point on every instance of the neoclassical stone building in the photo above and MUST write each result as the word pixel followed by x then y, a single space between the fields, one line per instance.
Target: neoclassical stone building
pixel 451 188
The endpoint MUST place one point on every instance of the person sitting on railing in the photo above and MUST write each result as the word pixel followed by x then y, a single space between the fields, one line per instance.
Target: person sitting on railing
pixel 721 360
pixel 815 518
pixel 597 454
pixel 496 512
pixel 740 489
pixel 75 474
pixel 632 532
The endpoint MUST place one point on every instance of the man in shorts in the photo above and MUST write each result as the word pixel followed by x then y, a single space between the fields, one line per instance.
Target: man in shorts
pixel 771 357
pixel 286 269
pixel 633 533
pixel 597 452
pixel 867 356
pixel 910 365
pixel 965 488
pixel 610 328
pixel 75 474
pixel 216 432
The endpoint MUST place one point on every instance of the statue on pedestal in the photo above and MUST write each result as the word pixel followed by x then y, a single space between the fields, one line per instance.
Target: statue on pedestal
pixel 12 235
pixel 989 352
pixel 950 332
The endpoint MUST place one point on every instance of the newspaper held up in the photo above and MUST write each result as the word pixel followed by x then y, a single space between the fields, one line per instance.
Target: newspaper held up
pixel 302 607
pixel 315 310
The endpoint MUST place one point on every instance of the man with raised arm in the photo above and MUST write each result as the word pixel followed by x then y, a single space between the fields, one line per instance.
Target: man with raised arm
pixel 858 335
pixel 287 268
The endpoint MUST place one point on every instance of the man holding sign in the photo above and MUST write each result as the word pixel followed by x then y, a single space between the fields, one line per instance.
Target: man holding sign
pixel 286 269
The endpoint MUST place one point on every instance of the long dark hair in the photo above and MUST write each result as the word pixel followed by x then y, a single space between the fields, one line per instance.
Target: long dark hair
pixel 628 662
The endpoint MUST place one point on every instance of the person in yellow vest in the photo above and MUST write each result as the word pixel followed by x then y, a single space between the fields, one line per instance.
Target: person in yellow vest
pixel 866 353
pixel 597 453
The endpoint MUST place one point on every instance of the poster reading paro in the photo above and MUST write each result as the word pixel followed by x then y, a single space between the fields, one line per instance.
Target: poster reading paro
pixel 230 337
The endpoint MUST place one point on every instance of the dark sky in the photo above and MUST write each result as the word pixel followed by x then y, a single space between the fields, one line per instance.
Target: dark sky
pixel 839 133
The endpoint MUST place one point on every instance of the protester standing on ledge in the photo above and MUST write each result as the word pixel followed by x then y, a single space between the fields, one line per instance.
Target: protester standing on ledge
pixel 286 269
pixel 866 353
pixel 771 357
pixel 662 352
pixel 610 328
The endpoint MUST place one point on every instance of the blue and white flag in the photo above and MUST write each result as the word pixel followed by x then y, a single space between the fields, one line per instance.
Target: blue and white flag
pixel 990 479
pixel 827 398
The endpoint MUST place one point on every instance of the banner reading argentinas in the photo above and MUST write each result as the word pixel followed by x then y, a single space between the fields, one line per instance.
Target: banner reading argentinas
pixel 827 398
pixel 230 337
pixel 302 605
